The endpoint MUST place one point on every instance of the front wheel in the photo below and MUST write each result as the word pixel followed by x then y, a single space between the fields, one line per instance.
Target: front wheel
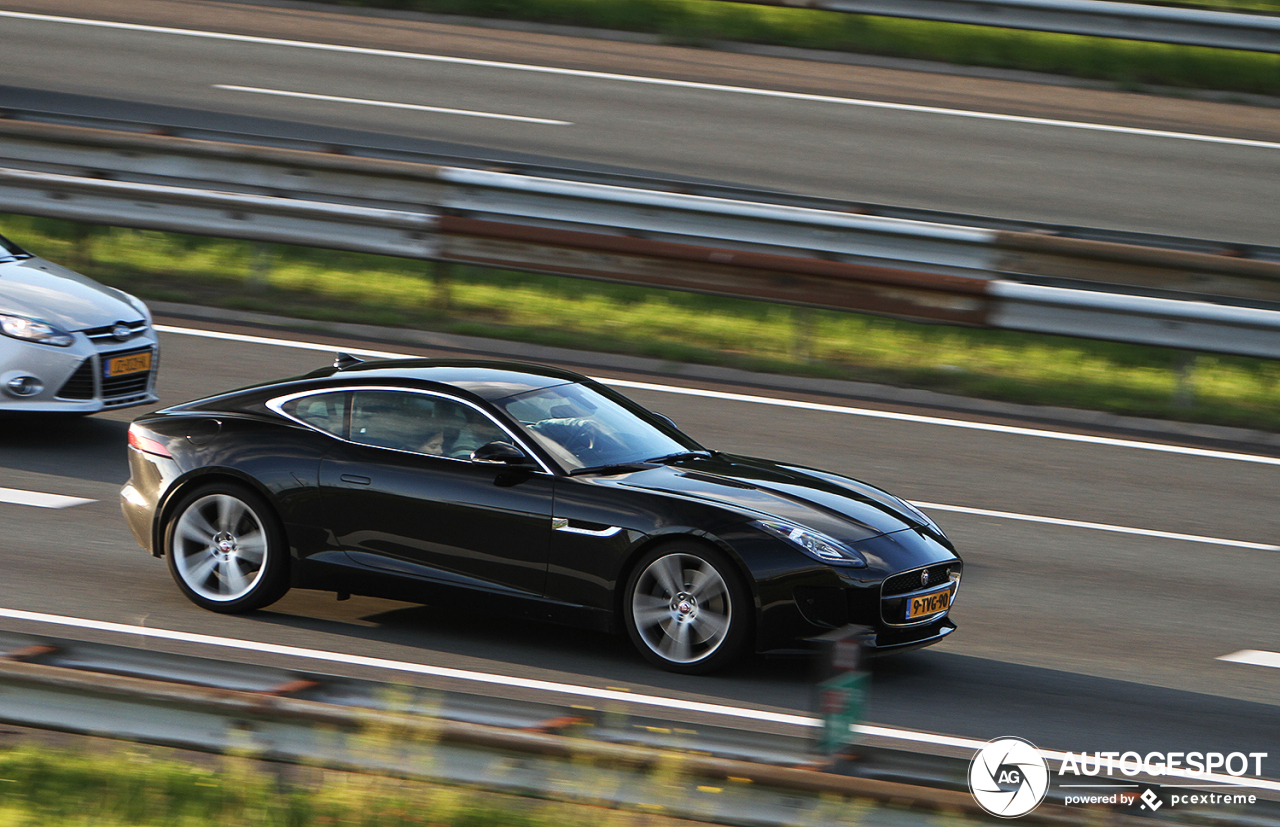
pixel 686 609
pixel 226 550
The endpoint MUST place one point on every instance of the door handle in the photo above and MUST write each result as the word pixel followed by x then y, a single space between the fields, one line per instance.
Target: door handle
pixel 356 479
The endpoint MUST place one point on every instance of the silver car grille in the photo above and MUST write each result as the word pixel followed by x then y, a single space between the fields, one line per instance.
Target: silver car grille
pixel 106 335
pixel 87 381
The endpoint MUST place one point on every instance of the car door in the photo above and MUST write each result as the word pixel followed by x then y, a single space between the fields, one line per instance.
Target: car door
pixel 401 493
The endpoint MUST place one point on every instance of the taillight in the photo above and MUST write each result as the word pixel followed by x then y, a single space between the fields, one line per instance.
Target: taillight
pixel 145 444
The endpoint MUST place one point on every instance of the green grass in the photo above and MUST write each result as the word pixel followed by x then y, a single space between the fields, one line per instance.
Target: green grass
pixel 680 327
pixel 141 787
pixel 1129 64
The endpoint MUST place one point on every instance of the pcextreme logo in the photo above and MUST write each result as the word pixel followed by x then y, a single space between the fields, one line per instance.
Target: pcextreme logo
pixel 1008 777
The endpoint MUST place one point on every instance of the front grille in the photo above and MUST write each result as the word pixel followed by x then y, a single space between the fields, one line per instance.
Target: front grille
pixel 80 384
pixel 108 332
pixel 124 401
pixel 894 603
pixel 911 581
pixel 131 385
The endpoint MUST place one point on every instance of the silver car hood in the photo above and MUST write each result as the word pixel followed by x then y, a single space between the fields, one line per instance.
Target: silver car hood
pixel 43 290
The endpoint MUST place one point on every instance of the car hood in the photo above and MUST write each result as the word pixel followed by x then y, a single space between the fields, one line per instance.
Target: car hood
pixel 43 290
pixel 842 508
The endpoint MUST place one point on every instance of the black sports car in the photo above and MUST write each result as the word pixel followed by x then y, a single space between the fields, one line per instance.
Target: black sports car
pixel 425 480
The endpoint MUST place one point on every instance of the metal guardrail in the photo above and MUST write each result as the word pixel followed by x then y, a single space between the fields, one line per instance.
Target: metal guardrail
pixel 1096 18
pixel 607 756
pixel 258 132
pixel 934 271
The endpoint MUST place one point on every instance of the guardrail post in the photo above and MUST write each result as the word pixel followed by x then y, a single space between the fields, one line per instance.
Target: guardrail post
pixel 802 325
pixel 261 258
pixel 842 687
pixel 82 236
pixel 442 293
pixel 1184 373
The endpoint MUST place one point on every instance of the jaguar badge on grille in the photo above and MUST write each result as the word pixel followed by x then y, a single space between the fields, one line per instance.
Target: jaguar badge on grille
pixel 924 577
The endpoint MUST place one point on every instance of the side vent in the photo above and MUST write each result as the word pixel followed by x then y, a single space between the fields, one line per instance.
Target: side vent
pixel 345 360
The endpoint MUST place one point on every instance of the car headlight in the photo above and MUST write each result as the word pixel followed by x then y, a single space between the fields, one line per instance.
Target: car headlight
pixel 34 330
pixel 812 543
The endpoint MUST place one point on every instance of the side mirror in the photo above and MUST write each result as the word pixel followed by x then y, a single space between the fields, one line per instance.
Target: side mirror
pixel 666 419
pixel 500 453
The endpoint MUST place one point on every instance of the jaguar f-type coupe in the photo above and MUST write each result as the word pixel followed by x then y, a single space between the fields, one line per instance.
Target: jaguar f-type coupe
pixel 532 491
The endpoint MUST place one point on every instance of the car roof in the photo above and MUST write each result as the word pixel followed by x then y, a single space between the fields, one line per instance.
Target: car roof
pixel 489 380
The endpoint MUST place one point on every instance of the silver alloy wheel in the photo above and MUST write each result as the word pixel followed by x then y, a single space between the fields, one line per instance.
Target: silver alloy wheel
pixel 219 548
pixel 681 608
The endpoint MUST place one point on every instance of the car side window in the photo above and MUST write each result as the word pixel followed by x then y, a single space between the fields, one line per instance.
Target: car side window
pixel 325 411
pixel 421 423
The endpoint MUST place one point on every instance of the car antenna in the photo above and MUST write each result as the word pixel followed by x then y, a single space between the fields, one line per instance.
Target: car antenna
pixel 345 360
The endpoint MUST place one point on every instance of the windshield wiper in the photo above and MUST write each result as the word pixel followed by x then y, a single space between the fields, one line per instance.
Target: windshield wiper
pixel 613 468
pixel 678 455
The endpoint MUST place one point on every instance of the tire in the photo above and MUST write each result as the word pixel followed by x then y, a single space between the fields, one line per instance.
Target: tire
pixel 686 608
pixel 226 549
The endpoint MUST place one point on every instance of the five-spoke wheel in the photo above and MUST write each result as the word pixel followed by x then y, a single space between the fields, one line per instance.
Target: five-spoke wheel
pixel 686 609
pixel 225 550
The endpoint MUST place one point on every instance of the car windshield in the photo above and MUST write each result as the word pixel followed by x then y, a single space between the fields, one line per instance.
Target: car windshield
pixel 10 250
pixel 582 427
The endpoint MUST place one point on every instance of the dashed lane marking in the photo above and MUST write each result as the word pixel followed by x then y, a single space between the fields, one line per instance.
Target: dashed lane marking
pixel 17 496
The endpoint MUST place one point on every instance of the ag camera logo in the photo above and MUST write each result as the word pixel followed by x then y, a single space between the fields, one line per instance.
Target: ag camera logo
pixel 1008 777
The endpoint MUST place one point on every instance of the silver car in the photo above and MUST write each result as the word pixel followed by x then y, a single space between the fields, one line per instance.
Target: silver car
pixel 69 344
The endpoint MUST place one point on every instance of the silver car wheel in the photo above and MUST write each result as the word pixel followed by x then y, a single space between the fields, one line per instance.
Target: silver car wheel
pixel 219 548
pixel 681 608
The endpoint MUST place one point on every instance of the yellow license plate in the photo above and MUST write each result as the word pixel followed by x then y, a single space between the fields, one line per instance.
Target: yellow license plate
pixel 133 363
pixel 927 604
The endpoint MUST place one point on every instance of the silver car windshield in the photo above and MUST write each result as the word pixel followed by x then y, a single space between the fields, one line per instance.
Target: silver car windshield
pixel 9 250
pixel 583 428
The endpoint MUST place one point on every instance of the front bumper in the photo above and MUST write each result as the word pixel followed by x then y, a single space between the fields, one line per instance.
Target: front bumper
pixel 893 641
pixel 805 605
pixel 73 379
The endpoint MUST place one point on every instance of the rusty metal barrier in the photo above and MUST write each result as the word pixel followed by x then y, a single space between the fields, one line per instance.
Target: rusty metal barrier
pixel 274 726
pixel 915 269
pixel 1094 18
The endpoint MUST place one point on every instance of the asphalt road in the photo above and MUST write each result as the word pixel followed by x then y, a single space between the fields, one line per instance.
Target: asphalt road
pixel 743 124
pixel 1078 639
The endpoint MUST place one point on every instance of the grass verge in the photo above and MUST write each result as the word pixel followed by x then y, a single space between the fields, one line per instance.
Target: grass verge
pixel 140 787
pixel 323 285
pixel 1130 64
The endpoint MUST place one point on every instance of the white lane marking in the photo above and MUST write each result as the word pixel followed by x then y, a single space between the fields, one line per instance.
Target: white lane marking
pixel 1119 529
pixel 414 668
pixel 783 403
pixel 950 423
pixel 686 84
pixel 388 104
pixel 1254 657
pixel 550 686
pixel 16 496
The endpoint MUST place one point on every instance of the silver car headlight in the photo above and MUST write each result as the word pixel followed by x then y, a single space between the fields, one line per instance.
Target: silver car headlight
pixel 813 543
pixel 34 330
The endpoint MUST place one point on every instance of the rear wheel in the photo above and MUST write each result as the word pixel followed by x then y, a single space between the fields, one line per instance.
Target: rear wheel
pixel 686 608
pixel 226 550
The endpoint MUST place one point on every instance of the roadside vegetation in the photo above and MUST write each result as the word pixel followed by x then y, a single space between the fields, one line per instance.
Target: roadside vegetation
pixel 1129 64
pixel 325 286
pixel 134 786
